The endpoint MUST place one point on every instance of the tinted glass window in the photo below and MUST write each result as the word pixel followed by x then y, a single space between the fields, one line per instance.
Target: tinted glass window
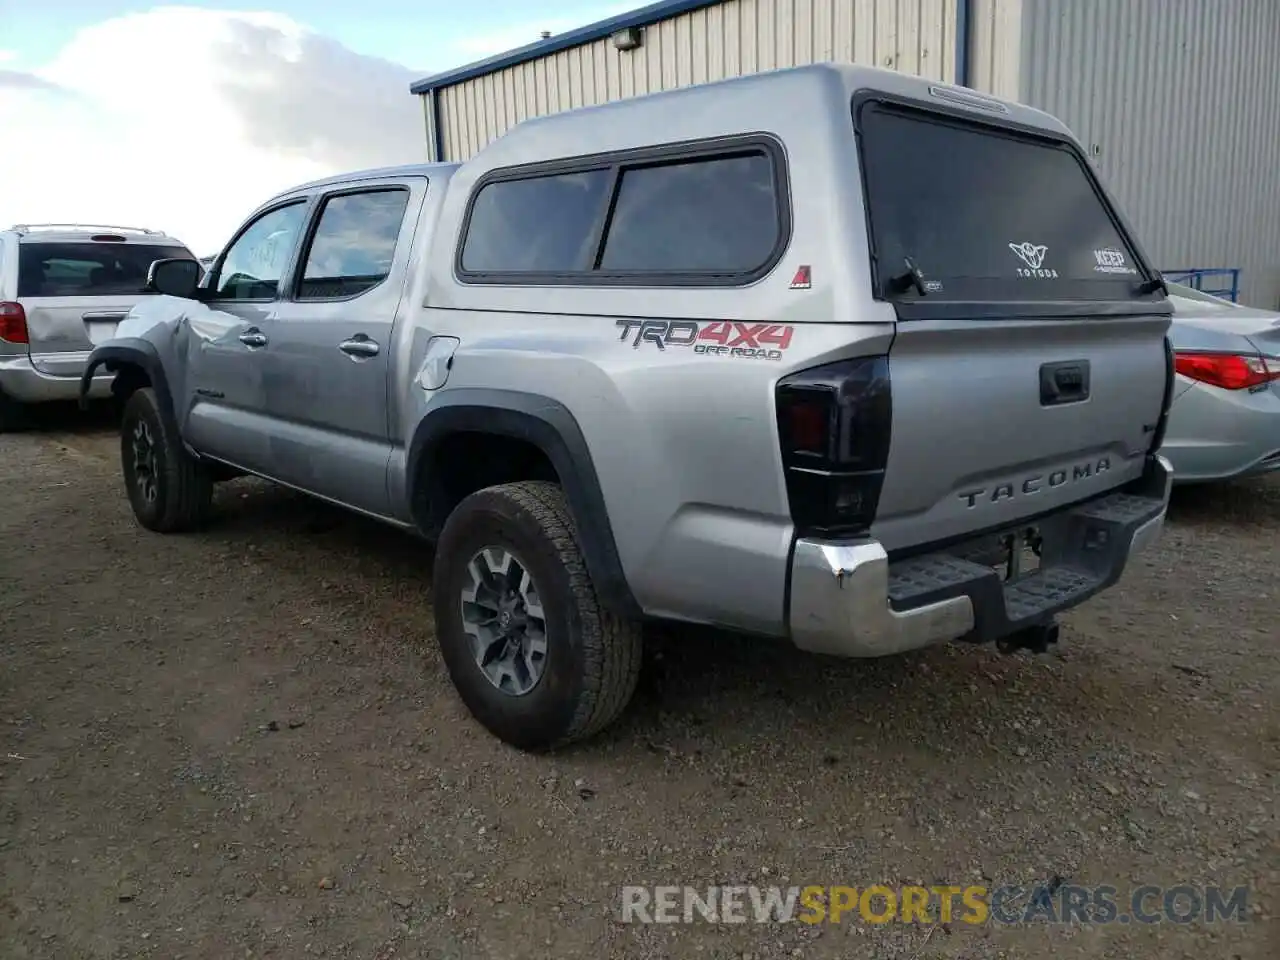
pixel 535 225
pixel 711 216
pixel 987 215
pixel 256 261
pixel 88 269
pixel 353 244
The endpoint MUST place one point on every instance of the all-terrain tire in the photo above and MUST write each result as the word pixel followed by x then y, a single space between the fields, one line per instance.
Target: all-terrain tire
pixel 183 488
pixel 592 657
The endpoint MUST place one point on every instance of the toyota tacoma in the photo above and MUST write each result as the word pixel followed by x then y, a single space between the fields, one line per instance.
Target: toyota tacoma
pixel 830 354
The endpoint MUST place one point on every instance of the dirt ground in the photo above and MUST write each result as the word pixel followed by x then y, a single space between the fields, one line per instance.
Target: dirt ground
pixel 243 743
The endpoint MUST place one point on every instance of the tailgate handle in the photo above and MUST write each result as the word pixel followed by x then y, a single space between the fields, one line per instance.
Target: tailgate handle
pixel 105 315
pixel 1064 382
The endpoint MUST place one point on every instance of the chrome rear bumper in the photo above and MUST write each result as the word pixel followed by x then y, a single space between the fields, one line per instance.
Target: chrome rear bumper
pixel 848 600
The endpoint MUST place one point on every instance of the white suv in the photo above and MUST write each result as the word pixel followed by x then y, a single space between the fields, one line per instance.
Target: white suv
pixel 63 289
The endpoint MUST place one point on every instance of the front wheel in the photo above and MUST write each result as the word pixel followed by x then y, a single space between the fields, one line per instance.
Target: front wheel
pixel 169 490
pixel 526 643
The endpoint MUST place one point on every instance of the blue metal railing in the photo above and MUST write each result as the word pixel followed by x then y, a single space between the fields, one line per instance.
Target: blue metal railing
pixel 1196 278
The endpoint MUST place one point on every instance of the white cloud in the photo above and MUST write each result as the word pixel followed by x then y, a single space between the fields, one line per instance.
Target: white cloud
pixel 8 55
pixel 185 119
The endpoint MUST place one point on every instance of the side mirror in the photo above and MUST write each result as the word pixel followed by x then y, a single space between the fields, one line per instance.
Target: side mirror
pixel 174 277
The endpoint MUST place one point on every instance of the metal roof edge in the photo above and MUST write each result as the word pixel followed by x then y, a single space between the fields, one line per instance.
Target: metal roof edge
pixel 394 171
pixel 654 12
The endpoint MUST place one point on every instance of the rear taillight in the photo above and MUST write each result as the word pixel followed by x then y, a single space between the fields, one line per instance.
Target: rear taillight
pixel 1227 370
pixel 833 425
pixel 13 323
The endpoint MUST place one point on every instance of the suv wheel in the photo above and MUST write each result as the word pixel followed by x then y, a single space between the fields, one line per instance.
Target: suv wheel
pixel 530 651
pixel 169 490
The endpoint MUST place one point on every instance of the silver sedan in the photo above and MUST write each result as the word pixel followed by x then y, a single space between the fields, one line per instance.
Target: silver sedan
pixel 1225 420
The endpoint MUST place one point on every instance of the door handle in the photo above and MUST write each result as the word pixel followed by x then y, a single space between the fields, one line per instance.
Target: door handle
pixel 253 338
pixel 359 346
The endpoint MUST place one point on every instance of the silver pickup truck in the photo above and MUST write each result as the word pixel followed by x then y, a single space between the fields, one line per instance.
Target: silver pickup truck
pixel 830 354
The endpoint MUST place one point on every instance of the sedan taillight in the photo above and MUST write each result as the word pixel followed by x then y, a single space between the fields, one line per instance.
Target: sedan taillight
pixel 1227 370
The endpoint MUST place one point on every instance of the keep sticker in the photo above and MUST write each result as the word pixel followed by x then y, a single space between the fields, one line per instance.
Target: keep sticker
pixel 1111 260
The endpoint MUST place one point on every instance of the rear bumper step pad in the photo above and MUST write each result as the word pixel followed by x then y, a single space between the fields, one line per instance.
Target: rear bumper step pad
pixel 1084 551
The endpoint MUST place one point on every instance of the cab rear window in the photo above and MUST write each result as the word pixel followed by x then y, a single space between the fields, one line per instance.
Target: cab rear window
pixel 88 269
pixel 985 214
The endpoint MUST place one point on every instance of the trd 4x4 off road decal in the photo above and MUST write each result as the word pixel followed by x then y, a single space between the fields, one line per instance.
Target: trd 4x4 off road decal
pixel 718 338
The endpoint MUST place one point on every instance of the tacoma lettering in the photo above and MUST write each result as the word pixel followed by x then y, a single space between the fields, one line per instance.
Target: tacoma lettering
pixel 1035 483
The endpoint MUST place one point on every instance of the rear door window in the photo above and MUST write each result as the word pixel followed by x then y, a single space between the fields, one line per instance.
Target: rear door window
pixel 88 269
pixel 353 245
pixel 986 214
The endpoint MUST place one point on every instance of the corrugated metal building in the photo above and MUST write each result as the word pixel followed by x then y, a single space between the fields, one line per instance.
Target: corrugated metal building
pixel 1178 100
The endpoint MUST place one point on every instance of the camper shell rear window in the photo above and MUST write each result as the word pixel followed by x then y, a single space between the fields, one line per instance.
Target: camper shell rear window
pixel 960 210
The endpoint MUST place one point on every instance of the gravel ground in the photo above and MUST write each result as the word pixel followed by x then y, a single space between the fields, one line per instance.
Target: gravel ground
pixel 243 743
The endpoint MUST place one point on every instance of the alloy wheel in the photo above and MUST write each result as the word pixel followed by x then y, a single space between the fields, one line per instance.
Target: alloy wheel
pixel 145 474
pixel 503 618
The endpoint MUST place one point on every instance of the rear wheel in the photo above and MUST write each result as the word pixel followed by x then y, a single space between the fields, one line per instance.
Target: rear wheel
pixel 169 490
pixel 527 645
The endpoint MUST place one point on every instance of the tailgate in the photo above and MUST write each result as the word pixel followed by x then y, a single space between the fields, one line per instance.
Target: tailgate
pixel 987 429
pixel 63 330
pixel 1028 368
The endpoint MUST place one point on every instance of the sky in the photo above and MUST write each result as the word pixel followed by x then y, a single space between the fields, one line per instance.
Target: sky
pixel 183 118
